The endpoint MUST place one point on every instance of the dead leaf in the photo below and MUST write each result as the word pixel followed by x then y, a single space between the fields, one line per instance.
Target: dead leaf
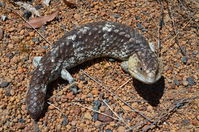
pixel 70 4
pixel 40 21
pixel 1 34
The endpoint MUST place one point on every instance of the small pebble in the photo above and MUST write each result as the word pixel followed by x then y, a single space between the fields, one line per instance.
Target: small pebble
pixel 82 78
pixel 77 110
pixel 63 27
pixel 104 118
pixel 77 16
pixel 97 123
pixel 103 108
pixel 95 91
pixel 3 18
pixel 177 64
pixel 184 59
pixel 4 84
pixel 20 125
pixel 68 127
pixel 35 40
pixel 185 83
pixel 45 47
pixel 176 82
pixel 183 48
pixel 23 107
pixel 185 122
pixel 190 81
pixel 10 55
pixel 21 120
pixel 25 59
pixel 195 52
pixel 87 115
pixel 108 130
pixel 82 125
pixel 150 108
pixel 73 123
pixel 112 124
pixel 116 16
pixel 70 95
pixel 96 105
pixel 95 116
pixel 197 117
pixel 32 34
pixel 195 123
pixel 137 17
pixel 27 14
pixel 1 4
pixel 139 26
pixel 121 129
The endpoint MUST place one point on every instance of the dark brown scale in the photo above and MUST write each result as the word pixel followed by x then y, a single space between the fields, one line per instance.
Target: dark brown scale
pixel 52 63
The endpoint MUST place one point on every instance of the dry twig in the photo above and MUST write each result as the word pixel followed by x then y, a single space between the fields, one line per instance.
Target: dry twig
pixel 95 111
pixel 165 115
pixel 174 28
pixel 29 25
pixel 116 96
pixel 116 114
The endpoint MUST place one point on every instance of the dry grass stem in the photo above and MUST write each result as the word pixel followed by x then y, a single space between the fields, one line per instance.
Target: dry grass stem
pixel 95 111
pixel 107 89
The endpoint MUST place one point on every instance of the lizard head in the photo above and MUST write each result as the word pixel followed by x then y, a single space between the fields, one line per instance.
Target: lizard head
pixel 143 68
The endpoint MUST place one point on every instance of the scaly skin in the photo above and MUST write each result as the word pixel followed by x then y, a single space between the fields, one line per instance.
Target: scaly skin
pixel 92 40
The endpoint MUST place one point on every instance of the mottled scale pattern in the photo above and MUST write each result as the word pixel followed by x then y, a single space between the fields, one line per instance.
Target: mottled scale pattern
pixel 92 40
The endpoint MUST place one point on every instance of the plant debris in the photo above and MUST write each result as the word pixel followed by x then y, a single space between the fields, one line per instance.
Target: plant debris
pixel 108 99
pixel 40 21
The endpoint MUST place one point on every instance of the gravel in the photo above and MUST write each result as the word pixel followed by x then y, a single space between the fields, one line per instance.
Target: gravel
pixel 1 4
pixel 64 121
pixel 176 82
pixel 184 59
pixel 27 14
pixel 73 112
pixel 4 84
pixel 191 81
pixel 108 130
pixel 96 104
pixel 3 18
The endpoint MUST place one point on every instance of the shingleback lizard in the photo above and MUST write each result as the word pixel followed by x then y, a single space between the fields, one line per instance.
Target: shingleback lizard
pixel 92 40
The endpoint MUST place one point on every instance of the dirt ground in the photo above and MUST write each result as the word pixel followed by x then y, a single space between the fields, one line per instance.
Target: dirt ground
pixel 171 104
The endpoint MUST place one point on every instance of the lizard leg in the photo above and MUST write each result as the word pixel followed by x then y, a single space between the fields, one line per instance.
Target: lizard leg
pixel 67 76
pixel 124 66
pixel 64 75
pixel 36 61
pixel 72 83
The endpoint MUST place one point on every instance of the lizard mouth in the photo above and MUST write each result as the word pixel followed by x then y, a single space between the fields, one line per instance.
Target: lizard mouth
pixel 145 79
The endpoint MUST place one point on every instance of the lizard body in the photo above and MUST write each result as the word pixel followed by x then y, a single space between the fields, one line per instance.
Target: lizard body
pixel 92 40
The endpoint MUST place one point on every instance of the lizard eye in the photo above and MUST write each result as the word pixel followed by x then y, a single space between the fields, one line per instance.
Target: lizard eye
pixel 140 68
